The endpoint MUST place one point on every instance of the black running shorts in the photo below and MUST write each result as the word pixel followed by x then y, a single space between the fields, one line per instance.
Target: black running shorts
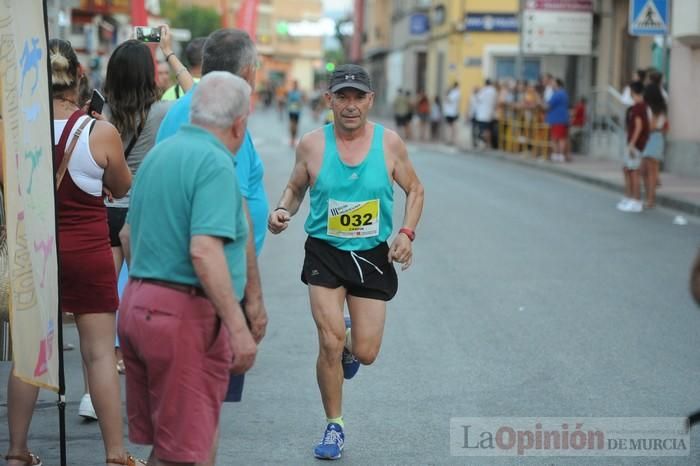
pixel 365 274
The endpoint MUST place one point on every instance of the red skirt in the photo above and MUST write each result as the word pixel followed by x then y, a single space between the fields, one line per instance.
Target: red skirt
pixel 88 281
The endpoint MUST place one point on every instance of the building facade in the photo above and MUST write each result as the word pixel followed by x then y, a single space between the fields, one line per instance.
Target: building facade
pixel 289 36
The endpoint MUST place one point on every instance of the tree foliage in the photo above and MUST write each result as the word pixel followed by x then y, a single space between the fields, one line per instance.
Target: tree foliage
pixel 201 21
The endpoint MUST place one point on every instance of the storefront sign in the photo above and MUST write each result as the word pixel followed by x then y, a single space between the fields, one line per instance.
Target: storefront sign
pixel 486 22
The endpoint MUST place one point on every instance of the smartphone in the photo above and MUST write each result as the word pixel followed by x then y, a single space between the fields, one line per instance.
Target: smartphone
pixel 146 34
pixel 97 102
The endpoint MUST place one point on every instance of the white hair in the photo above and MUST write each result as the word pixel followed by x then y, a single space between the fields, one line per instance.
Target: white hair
pixel 219 99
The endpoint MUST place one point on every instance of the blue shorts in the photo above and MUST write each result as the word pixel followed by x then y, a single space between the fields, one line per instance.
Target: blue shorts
pixel 655 146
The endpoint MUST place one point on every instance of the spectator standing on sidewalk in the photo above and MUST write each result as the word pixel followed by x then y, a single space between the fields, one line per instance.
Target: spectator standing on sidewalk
pixel 548 86
pixel 471 116
pixel 558 120
pixel 423 112
pixel 233 51
pixel 578 122
pixel 409 116
pixel 626 97
pixel 653 154
pixel 637 124
pixel 401 111
pixel 193 54
pixel 450 109
pixel 182 328
pixel 436 119
pixel 487 99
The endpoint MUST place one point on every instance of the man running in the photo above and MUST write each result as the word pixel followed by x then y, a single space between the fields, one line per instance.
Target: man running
pixel 350 167
pixel 294 103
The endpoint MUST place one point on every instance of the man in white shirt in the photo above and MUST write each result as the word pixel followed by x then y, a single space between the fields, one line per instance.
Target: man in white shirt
pixel 450 109
pixel 486 101
pixel 548 82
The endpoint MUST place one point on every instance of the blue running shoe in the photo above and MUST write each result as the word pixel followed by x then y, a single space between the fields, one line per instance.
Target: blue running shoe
pixel 331 446
pixel 350 363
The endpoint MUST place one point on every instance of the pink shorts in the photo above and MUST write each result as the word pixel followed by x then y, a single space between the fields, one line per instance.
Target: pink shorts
pixel 177 357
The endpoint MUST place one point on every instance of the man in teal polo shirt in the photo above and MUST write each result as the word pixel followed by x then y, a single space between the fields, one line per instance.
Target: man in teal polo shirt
pixel 231 50
pixel 181 326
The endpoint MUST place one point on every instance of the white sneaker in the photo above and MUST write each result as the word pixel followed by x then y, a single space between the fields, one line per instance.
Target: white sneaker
pixel 557 157
pixel 86 410
pixel 633 206
pixel 623 202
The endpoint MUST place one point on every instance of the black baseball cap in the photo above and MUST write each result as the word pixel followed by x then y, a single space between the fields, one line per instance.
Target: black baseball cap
pixel 350 76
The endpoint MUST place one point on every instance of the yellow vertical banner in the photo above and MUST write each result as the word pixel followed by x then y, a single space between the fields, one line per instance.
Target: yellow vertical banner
pixel 29 192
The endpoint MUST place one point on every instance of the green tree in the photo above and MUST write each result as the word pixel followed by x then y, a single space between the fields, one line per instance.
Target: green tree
pixel 199 20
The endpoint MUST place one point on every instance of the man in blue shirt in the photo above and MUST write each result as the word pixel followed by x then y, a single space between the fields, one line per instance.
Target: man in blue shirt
pixel 233 51
pixel 558 121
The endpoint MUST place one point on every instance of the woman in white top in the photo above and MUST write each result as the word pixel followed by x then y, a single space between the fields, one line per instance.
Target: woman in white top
pixel 87 281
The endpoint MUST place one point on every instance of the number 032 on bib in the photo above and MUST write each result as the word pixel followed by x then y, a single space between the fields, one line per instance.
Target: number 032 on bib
pixel 353 219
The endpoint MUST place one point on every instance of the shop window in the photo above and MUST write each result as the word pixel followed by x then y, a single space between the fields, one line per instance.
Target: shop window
pixel 505 68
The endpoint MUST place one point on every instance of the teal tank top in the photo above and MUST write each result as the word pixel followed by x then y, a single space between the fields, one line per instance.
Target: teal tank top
pixel 352 206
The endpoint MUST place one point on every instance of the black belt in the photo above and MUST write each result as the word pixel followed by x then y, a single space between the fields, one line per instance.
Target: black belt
pixel 189 289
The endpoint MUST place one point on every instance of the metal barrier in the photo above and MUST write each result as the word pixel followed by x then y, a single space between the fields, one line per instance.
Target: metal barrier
pixel 523 130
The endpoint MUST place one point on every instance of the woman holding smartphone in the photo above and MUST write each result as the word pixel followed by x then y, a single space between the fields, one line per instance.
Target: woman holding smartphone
pixel 134 108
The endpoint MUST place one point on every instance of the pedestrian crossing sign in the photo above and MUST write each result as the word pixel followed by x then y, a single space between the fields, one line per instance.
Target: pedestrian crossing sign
pixel 648 17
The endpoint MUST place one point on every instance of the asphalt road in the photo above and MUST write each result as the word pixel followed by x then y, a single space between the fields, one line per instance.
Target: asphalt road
pixel 530 295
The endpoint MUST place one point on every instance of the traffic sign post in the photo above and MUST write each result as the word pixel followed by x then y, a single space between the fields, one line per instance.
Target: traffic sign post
pixel 648 17
pixel 557 27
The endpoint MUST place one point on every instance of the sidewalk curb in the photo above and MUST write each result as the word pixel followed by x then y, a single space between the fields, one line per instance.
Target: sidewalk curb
pixel 663 200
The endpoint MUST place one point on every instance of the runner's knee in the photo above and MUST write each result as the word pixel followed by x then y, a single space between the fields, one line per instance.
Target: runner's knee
pixel 331 343
pixel 365 354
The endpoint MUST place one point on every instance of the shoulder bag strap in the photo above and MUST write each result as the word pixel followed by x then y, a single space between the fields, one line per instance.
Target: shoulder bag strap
pixel 132 143
pixel 60 173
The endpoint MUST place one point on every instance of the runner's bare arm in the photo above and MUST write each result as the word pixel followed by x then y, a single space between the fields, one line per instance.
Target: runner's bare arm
pixel 294 192
pixel 401 249
pixel 405 176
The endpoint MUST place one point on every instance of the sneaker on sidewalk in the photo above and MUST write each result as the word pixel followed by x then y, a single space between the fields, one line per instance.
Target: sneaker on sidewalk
pixel 633 206
pixel 623 202
pixel 86 410
pixel 350 363
pixel 331 445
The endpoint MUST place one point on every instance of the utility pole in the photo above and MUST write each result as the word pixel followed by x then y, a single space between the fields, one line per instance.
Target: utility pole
pixel 519 59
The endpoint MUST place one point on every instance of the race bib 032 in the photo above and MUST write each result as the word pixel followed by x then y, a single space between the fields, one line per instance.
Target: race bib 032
pixel 353 219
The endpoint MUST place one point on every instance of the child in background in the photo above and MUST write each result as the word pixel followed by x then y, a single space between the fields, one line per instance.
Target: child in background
pixel 637 134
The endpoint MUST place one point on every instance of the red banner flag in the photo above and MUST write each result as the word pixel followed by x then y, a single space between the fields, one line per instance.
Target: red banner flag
pixel 247 17
pixel 139 17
